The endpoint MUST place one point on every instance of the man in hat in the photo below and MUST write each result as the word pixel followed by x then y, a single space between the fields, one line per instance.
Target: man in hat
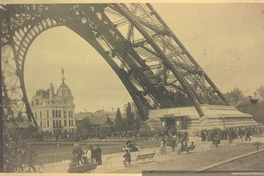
pixel 77 153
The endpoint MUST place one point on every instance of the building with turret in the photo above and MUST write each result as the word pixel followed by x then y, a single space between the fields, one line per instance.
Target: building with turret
pixel 54 112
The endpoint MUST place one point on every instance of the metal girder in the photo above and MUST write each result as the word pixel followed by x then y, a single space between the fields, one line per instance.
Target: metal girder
pixel 148 58
pixel 164 58
pixel 189 56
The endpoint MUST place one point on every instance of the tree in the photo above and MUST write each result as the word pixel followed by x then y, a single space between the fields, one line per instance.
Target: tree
pixel 29 132
pixel 129 116
pixel 235 97
pixel 17 155
pixel 145 131
pixel 254 108
pixel 260 94
pixel 84 126
pixel 137 122
pixel 109 121
pixel 118 121
pixel 125 125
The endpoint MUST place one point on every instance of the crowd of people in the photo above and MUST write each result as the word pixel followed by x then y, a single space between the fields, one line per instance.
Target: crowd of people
pixel 74 136
pixel 89 155
pixel 93 155
pixel 168 138
pixel 229 134
pixel 173 139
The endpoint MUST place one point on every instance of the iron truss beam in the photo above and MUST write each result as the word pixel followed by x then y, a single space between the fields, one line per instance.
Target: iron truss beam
pixel 154 66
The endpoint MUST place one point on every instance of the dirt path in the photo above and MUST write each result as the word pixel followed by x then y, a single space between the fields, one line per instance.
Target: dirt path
pixel 203 157
pixel 193 162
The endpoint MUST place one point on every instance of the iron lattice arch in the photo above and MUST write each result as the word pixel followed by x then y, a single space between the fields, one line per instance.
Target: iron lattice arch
pixel 152 63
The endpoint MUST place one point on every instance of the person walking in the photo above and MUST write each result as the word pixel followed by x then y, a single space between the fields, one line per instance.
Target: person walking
pixel 127 158
pixel 98 157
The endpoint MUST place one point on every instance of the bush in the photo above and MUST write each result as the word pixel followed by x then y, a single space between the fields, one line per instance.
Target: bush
pixel 17 156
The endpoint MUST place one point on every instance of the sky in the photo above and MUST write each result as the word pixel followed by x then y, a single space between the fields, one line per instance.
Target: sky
pixel 226 39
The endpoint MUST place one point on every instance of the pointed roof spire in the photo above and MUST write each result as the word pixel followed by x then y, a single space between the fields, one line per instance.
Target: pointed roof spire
pixel 63 77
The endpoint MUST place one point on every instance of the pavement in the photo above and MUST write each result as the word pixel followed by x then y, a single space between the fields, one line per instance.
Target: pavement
pixel 113 162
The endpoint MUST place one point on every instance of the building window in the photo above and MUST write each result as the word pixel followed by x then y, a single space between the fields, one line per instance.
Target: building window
pixel 59 113
pixel 70 114
pixel 60 123
pixel 40 123
pixel 40 114
pixel 57 124
pixel 47 114
pixel 36 115
pixel 48 124
pixel 65 123
pixel 53 123
pixel 64 114
pixel 70 122
pixel 53 113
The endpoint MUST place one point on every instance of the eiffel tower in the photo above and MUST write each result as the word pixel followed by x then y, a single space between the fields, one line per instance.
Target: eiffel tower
pixel 154 66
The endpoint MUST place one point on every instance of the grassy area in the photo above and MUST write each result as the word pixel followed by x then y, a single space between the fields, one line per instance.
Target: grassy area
pixel 249 163
pixel 51 151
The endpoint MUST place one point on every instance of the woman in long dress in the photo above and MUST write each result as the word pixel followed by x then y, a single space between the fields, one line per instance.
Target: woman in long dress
pixel 98 152
pixel 88 155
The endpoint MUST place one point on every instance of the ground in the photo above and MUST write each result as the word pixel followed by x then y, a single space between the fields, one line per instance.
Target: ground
pixel 226 157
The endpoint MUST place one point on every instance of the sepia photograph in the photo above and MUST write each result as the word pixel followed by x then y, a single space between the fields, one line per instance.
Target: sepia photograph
pixel 148 88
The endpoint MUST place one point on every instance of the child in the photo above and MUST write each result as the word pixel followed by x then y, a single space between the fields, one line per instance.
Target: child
pixel 127 160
